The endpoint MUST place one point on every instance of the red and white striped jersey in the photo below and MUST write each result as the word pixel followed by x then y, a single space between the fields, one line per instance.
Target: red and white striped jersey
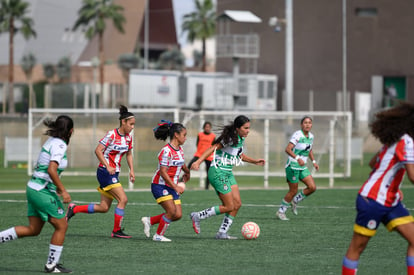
pixel 116 145
pixel 171 158
pixel 384 182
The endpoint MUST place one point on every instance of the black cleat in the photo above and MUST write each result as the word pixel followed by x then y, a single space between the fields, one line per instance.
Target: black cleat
pixel 56 268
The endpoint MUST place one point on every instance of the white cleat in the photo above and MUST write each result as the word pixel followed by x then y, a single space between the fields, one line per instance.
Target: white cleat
pixel 294 208
pixel 147 225
pixel 160 238
pixel 281 216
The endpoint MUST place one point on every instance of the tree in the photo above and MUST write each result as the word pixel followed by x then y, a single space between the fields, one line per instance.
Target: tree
pixel 93 16
pixel 28 62
pixel 13 20
pixel 171 60
pixel 63 69
pixel 201 24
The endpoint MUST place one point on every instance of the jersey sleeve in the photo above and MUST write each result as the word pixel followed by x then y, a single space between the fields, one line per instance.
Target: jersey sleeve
pixel 294 139
pixel 107 139
pixel 165 157
pixel 405 150
pixel 57 151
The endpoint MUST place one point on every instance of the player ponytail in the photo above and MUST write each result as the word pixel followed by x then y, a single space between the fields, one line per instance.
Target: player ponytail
pixel 167 129
pixel 59 128
pixel 229 132
pixel 124 114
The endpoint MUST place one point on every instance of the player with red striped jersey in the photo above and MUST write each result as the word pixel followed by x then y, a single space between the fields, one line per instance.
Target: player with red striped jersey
pixel 165 187
pixel 109 152
pixel 379 199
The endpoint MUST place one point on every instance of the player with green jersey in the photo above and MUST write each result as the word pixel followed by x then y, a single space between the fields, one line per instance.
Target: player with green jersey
pixel 228 152
pixel 298 150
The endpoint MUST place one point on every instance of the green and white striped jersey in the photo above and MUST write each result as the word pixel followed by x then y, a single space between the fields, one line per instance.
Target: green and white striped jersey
pixel 54 149
pixel 228 156
pixel 302 148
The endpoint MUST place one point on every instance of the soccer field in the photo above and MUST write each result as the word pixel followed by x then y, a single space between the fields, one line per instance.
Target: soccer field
pixel 313 242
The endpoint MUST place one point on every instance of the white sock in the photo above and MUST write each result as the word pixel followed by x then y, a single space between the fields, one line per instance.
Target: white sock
pixel 299 197
pixel 204 214
pixel 54 254
pixel 226 223
pixel 8 235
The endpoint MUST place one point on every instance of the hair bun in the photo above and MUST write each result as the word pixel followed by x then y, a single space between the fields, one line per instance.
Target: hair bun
pixel 123 109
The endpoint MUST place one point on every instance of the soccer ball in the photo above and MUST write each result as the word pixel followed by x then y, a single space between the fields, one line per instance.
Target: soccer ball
pixel 250 231
pixel 182 185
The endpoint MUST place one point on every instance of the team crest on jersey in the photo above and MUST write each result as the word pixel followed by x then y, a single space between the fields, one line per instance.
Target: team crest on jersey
pixel 293 178
pixel 164 192
pixel 60 211
pixel 226 187
pixel 114 180
pixel 372 224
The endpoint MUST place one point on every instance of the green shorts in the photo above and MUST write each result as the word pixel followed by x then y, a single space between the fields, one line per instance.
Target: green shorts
pixel 44 204
pixel 294 175
pixel 221 180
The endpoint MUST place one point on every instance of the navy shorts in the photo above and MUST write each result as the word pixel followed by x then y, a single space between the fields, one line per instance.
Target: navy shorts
pixel 105 179
pixel 163 193
pixel 371 214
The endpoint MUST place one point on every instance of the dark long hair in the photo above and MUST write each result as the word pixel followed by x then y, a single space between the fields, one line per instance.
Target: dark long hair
pixel 60 128
pixel 167 129
pixel 391 124
pixel 124 114
pixel 229 132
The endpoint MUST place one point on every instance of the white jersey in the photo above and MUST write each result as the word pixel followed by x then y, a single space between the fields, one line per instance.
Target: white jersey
pixel 54 149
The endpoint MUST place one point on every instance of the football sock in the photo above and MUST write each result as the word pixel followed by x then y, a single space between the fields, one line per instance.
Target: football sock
pixel 226 223
pixel 410 265
pixel 118 217
pixel 299 197
pixel 156 219
pixel 212 211
pixel 54 254
pixel 87 208
pixel 284 206
pixel 8 235
pixel 162 227
pixel 349 267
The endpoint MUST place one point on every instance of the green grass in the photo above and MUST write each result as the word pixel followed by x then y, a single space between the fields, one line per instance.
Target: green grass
pixel 313 242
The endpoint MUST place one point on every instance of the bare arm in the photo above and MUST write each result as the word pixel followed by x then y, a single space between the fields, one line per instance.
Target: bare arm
pixel 205 155
pixel 168 180
pixel 312 158
pixel 52 171
pixel 99 154
pixel 409 167
pixel 245 158
pixel 289 151
pixel 130 162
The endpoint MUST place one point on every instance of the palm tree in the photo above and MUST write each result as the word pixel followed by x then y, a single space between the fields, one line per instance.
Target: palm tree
pixel 28 62
pixel 171 60
pixel 93 16
pixel 201 24
pixel 13 20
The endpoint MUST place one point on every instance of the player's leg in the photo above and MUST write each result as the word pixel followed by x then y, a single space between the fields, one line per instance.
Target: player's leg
pixel 310 188
pixel 356 247
pixel 119 194
pixel 33 229
pixel 229 216
pixel 407 231
pixel 91 208
pixel 208 164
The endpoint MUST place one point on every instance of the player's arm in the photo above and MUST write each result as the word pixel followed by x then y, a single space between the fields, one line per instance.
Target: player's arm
pixel 289 151
pixel 52 171
pixel 186 176
pixel 312 158
pixel 168 180
pixel 130 162
pixel 205 155
pixel 409 167
pixel 248 159
pixel 99 154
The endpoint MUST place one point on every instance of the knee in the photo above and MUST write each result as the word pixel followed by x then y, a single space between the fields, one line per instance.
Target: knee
pixel 312 188
pixel 177 216
pixel 237 205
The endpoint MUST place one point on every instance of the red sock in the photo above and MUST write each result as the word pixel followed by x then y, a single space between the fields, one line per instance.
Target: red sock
pixel 81 209
pixel 162 227
pixel 410 270
pixel 349 271
pixel 156 219
pixel 117 222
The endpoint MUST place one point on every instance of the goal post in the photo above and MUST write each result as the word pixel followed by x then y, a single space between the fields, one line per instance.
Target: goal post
pixel 269 135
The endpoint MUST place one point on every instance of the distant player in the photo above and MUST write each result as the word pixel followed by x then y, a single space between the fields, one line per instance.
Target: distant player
pixel 164 182
pixel 379 199
pixel 45 193
pixel 298 150
pixel 228 152
pixel 110 150
pixel 204 141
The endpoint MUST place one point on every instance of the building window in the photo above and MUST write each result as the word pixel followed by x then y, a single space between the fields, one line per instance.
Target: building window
pixel 261 90
pixel 270 89
pixel 366 12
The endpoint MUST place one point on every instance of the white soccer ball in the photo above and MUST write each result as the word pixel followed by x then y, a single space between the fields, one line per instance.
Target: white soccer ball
pixel 250 231
pixel 182 185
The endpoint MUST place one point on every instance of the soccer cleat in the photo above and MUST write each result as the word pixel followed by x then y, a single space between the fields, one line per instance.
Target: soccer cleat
pixel 224 236
pixel 196 222
pixel 294 207
pixel 281 216
pixel 70 213
pixel 120 234
pixel 56 268
pixel 160 238
pixel 147 225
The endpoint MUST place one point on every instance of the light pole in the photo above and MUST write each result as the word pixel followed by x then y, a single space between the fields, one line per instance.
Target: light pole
pixel 344 57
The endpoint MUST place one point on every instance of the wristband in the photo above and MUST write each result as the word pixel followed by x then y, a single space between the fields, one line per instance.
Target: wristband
pixel 297 157
pixel 313 161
